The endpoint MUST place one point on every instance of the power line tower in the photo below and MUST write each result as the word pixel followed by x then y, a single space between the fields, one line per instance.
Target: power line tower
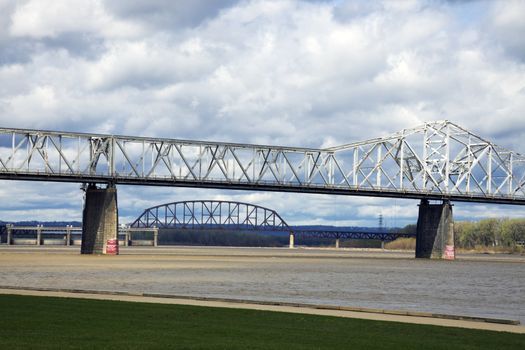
pixel 381 229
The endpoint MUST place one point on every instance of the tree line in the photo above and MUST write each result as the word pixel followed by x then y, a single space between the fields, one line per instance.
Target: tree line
pixel 487 233
pixel 490 232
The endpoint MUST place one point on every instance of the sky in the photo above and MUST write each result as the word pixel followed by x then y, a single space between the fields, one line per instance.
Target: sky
pixel 291 73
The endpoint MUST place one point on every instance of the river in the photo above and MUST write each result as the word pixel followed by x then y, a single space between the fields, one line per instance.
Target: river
pixel 474 285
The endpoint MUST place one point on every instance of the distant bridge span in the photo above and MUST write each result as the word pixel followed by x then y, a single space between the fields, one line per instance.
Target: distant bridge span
pixel 198 214
pixel 228 215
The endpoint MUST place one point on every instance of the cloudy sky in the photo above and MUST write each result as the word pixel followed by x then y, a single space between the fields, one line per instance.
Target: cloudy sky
pixel 298 73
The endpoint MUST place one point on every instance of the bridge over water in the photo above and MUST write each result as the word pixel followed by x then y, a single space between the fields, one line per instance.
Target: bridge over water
pixel 435 161
pixel 197 215
pixel 239 216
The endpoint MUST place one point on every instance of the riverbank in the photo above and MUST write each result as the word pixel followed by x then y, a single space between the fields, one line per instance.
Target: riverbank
pixel 409 244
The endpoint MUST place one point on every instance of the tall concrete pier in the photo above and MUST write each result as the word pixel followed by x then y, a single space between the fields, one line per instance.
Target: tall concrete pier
pixel 99 220
pixel 435 231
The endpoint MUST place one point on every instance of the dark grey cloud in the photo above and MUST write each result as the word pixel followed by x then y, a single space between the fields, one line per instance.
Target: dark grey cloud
pixel 15 51
pixel 85 45
pixel 166 14
pixel 21 51
pixel 506 27
pixel 11 51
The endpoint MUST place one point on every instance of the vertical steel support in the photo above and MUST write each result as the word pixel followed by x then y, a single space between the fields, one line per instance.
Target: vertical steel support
pixel 77 158
pixel 13 164
pixel 402 163
pixel 356 163
pixel 489 170
pixel 469 170
pixel 331 169
pixel 378 166
pixel 111 159
pixel 425 155
pixel 60 154
pixel 510 174
pixel 447 158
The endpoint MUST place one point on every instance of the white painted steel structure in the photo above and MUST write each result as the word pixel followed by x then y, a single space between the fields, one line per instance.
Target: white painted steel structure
pixel 437 160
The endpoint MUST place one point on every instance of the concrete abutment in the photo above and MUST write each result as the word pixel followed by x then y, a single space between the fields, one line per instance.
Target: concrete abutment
pixel 100 221
pixel 435 231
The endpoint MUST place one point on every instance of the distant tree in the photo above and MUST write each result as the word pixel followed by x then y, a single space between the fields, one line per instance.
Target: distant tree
pixel 512 231
pixel 488 231
pixel 466 234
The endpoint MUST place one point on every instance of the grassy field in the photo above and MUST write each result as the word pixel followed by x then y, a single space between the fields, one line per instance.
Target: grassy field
pixel 60 323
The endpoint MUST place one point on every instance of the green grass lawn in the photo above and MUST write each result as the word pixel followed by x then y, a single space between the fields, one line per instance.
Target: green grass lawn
pixel 61 323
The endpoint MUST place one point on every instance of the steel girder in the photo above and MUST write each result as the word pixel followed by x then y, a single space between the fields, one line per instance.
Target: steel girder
pixel 437 160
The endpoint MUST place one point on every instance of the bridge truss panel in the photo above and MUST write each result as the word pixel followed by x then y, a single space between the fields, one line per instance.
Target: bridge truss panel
pixel 436 160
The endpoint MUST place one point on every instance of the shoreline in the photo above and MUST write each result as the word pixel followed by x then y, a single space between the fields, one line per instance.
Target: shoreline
pixel 498 325
pixel 299 252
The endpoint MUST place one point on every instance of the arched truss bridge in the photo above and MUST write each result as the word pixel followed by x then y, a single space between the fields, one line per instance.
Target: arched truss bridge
pixel 215 214
pixel 211 214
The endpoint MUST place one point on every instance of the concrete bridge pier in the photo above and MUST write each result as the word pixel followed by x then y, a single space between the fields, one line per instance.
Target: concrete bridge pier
pixel 68 235
pixel 435 231
pixel 39 235
pixel 100 220
pixel 292 239
pixel 337 243
pixel 155 237
pixel 9 233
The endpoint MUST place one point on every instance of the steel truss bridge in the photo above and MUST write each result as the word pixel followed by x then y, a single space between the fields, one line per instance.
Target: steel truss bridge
pixel 211 214
pixel 437 160
pixel 227 215
pixel 380 235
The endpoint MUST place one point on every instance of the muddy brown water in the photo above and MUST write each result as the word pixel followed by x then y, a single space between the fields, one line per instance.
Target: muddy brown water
pixel 474 285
